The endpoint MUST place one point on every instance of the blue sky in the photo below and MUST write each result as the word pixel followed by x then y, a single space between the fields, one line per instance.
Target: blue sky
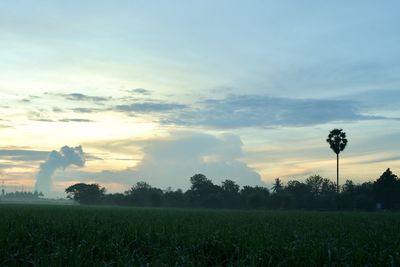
pixel 246 90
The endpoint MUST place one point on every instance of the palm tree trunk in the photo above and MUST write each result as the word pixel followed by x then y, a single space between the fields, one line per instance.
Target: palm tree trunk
pixel 337 173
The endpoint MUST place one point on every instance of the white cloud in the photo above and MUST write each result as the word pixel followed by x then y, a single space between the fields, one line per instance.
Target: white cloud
pixel 172 161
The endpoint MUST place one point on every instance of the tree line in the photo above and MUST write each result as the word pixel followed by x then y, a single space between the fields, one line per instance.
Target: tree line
pixel 20 195
pixel 315 193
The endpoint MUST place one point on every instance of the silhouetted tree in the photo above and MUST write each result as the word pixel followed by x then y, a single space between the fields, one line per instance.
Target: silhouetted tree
pixel 203 192
pixel 254 197
pixel 230 194
pixel 174 198
pixel 387 190
pixel 142 194
pixel 115 199
pixel 200 183
pixel 322 190
pixel 364 196
pixel 346 199
pixel 349 187
pixel 356 196
pixel 337 141
pixel 315 193
pixel 315 182
pixel 86 193
pixel 277 186
pixel 279 197
pixel 299 194
pixel 230 186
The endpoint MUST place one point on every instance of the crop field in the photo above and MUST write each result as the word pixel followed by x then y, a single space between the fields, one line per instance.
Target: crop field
pixel 39 235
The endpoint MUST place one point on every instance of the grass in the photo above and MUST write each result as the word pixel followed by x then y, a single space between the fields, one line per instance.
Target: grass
pixel 37 235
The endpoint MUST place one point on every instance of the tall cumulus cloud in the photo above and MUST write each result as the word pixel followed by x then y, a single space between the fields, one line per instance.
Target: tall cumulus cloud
pixel 170 162
pixel 57 160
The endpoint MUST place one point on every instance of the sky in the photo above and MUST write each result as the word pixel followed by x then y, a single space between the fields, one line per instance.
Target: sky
pixel 158 91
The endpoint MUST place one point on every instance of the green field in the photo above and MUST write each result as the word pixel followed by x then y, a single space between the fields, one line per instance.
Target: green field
pixel 38 235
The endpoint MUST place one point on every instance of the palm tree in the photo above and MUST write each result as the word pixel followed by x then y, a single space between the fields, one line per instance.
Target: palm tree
pixel 277 186
pixel 337 140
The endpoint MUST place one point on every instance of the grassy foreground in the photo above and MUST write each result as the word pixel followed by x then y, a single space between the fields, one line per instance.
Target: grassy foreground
pixel 109 236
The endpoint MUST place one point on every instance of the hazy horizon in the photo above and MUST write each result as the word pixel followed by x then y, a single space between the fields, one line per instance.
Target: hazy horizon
pixel 158 91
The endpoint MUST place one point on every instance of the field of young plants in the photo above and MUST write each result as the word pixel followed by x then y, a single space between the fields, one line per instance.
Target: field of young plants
pixel 39 235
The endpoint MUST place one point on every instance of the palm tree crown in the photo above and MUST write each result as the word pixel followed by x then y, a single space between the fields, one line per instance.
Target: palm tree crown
pixel 337 140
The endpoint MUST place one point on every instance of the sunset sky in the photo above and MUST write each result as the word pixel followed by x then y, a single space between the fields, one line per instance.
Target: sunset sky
pixel 160 90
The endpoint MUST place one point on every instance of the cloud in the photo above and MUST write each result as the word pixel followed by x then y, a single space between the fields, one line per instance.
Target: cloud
pixel 29 99
pixel 139 91
pixel 87 110
pixel 379 160
pixel 38 115
pixel 172 161
pixel 236 111
pixel 23 155
pixel 57 110
pixel 57 160
pixel 149 107
pixel 43 120
pixel 377 99
pixel 90 157
pixel 75 120
pixel 4 166
pixel 239 111
pixel 83 97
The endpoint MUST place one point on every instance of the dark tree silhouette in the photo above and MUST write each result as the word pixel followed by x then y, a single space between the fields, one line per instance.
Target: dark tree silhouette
pixel 319 185
pixel 173 198
pixel 143 194
pixel 203 192
pixel 315 193
pixel 387 190
pixel 254 197
pixel 86 193
pixel 230 186
pixel 230 194
pixel 277 186
pixel 337 141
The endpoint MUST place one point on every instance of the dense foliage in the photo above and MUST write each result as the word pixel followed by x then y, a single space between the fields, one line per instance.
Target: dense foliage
pixel 315 193
pixel 39 235
pixel 86 193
